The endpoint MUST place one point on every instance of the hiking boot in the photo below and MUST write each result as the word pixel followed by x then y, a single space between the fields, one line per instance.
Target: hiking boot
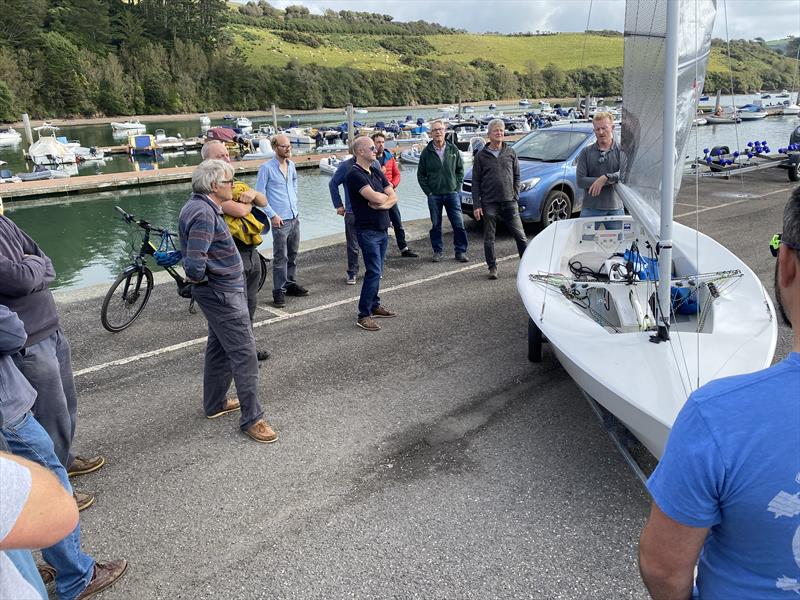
pixel 492 272
pixel 461 257
pixel 47 573
pixel 81 465
pixel 437 257
pixel 278 299
pixel 368 323
pixel 230 405
pixel 105 574
pixel 383 312
pixel 295 289
pixel 260 431
pixel 407 253
pixel 262 355
pixel 83 499
pixel 351 280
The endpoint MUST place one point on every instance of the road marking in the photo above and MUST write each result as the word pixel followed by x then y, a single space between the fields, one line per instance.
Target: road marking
pixel 280 316
pixel 735 202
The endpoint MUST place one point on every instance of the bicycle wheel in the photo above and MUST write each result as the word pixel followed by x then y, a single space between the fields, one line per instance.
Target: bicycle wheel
pixel 126 299
pixel 263 277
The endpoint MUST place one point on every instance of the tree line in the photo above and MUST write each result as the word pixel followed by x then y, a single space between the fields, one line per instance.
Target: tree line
pixel 63 58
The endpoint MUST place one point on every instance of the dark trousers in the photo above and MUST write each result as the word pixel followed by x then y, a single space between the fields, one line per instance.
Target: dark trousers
pixel 397 225
pixel 508 213
pixel 47 365
pixel 452 205
pixel 373 247
pixel 230 353
pixel 252 273
pixel 352 244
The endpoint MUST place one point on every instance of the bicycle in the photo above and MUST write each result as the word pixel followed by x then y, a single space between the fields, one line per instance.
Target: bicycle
pixel 130 292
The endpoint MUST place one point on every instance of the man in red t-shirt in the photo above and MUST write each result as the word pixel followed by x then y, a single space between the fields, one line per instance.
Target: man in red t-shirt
pixel 392 173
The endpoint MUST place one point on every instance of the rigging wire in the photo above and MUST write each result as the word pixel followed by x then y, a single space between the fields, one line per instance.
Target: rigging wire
pixel 697 182
pixel 730 79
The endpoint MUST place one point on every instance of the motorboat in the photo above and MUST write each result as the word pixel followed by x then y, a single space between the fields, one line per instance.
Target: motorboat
pixel 411 155
pixel 205 121
pixel 524 102
pixel 129 125
pixel 143 144
pixel 9 136
pixel 329 164
pixel 468 110
pixel 637 323
pixel 751 112
pixel 262 152
pixel 41 173
pixel 492 106
pixel 298 135
pixel 162 137
pixel 47 150
pixel 360 111
pixel 244 123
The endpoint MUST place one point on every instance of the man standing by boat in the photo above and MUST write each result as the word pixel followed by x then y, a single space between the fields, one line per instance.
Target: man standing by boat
pixel 371 197
pixel 440 174
pixel 598 170
pixel 495 192
pixel 241 216
pixel 390 169
pixel 25 276
pixel 211 262
pixel 727 489
pixel 277 180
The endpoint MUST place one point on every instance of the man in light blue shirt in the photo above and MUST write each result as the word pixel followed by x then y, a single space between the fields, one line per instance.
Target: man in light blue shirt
pixel 277 180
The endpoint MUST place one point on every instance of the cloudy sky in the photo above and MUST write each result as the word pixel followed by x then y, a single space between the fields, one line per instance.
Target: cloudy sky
pixel 770 19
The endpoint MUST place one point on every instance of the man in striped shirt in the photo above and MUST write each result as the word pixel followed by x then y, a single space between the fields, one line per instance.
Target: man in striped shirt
pixel 212 262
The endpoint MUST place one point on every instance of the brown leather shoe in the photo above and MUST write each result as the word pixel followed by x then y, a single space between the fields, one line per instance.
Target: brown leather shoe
pixel 383 312
pixel 260 431
pixel 231 404
pixel 83 499
pixel 105 574
pixel 81 465
pixel 47 573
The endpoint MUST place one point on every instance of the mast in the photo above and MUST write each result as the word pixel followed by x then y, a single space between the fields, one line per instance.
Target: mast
pixel 668 172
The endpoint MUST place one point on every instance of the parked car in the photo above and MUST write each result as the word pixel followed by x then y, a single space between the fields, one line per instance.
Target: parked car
pixel 547 160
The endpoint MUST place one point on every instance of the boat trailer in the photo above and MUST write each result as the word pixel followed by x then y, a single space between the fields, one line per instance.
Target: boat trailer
pixel 721 162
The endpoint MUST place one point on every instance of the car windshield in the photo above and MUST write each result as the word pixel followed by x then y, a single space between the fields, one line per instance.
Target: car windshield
pixel 549 146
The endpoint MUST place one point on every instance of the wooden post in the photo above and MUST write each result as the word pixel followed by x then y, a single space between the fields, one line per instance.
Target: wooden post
pixel 275 118
pixel 350 133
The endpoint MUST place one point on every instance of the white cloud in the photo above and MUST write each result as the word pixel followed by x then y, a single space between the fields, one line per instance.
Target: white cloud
pixel 770 19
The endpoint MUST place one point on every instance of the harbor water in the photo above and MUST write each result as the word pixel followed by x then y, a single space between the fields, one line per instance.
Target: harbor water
pixel 89 243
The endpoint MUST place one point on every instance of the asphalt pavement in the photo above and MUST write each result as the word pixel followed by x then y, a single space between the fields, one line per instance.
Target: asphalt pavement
pixel 427 460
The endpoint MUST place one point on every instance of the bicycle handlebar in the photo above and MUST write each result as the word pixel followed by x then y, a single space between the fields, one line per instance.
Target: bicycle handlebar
pixel 129 218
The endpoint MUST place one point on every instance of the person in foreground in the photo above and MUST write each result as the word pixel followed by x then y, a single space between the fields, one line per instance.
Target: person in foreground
pixel 727 489
pixel 242 215
pixel 213 264
pixel 371 197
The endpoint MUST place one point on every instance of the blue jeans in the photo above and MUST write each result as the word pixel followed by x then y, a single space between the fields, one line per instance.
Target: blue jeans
pixel 373 248
pixel 352 244
pixel 47 365
pixel 453 207
pixel 74 569
pixel 285 245
pixel 599 212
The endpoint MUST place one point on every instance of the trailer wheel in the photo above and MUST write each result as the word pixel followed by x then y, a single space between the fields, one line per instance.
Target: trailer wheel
pixel 534 342
pixel 794 171
pixel 715 151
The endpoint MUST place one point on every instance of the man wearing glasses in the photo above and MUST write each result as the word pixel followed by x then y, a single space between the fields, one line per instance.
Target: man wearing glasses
pixel 727 490
pixel 440 175
pixel 277 180
pixel 371 198
pixel 211 261
pixel 598 170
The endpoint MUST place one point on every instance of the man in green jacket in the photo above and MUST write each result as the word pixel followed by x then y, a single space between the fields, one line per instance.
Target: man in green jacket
pixel 440 175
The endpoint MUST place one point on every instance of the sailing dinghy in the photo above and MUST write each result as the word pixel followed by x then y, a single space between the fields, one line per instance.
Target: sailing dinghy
pixel 643 315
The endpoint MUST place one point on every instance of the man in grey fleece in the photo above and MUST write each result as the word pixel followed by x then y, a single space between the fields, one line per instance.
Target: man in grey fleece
pixel 598 171
pixel 495 192
pixel 25 275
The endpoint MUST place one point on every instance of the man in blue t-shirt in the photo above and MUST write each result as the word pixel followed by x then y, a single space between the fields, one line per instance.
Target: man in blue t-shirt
pixel 371 197
pixel 727 490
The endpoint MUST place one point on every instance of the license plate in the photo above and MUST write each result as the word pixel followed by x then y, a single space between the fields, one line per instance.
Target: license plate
pixel 466 199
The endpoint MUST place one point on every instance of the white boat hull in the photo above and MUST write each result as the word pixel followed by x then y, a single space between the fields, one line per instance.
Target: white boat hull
pixel 642 383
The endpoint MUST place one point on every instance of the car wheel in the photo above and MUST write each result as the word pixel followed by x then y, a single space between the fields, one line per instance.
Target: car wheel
pixel 557 207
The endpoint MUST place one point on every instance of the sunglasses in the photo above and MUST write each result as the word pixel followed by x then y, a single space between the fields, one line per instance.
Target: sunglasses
pixel 776 242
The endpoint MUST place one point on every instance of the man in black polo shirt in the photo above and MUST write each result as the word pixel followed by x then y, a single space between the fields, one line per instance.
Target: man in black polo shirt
pixel 371 197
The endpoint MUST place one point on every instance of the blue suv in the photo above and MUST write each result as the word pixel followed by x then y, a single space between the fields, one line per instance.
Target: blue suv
pixel 547 160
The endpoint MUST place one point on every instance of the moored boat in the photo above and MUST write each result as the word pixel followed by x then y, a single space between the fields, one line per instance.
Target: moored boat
pixel 129 125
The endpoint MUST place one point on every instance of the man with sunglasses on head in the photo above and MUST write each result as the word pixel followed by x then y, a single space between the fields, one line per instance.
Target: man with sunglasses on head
pixel 213 264
pixel 440 174
pixel 277 180
pixel 371 198
pixel 598 170
pixel 726 493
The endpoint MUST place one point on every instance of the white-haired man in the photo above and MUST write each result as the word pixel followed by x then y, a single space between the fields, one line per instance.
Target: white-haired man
pixel 211 261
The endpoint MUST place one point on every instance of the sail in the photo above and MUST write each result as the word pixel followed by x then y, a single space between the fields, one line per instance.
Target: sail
pixel 643 99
